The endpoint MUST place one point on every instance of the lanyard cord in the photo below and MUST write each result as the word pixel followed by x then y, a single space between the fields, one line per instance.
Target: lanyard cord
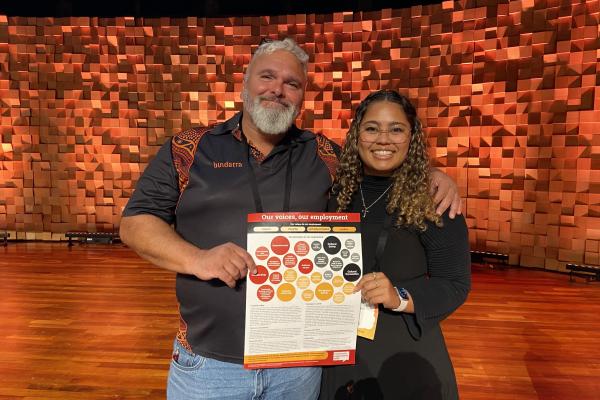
pixel 381 242
pixel 254 183
pixel 288 180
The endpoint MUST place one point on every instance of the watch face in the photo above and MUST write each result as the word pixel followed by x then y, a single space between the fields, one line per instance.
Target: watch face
pixel 403 293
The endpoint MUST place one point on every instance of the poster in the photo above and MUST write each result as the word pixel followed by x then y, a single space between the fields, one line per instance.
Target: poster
pixel 301 309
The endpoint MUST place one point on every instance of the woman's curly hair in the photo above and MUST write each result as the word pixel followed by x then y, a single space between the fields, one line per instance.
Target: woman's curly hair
pixel 409 197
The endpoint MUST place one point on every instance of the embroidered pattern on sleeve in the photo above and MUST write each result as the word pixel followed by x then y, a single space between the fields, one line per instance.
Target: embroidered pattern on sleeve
pixel 328 155
pixel 183 148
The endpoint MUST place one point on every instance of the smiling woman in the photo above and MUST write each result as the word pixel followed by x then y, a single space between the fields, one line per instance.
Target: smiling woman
pixel 386 139
pixel 383 138
pixel 416 268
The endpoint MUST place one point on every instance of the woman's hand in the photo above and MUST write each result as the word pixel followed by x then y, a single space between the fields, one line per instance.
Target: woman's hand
pixel 376 289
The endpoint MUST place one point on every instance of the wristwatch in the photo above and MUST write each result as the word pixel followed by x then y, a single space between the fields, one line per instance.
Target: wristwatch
pixel 404 297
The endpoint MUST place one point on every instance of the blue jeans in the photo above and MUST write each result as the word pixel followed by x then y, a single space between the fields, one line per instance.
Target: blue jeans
pixel 193 377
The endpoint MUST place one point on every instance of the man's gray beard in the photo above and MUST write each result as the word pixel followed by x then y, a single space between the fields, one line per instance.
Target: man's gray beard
pixel 267 120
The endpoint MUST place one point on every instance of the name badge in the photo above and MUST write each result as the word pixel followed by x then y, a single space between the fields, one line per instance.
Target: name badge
pixel 367 320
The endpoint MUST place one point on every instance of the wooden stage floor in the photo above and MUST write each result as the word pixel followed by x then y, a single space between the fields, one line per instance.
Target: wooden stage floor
pixel 97 322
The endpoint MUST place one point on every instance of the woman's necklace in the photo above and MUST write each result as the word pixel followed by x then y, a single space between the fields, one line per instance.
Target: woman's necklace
pixel 365 208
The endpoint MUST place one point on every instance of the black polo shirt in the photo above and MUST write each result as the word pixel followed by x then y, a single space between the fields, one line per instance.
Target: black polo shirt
pixel 213 209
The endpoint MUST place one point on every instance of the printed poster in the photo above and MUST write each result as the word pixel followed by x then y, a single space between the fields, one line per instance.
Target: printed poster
pixel 301 309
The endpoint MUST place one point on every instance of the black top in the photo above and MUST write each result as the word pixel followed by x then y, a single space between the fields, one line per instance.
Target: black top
pixel 213 209
pixel 408 357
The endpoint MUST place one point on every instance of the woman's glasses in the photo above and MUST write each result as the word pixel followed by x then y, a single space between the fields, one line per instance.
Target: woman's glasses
pixel 396 134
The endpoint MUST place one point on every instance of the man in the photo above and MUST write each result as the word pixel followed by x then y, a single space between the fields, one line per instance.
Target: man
pixel 205 184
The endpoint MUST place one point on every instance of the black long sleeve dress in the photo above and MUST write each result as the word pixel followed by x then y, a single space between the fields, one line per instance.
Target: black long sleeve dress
pixel 408 358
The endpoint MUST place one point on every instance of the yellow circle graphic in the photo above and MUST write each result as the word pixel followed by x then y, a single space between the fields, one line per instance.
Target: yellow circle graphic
pixel 337 281
pixel 290 275
pixel 338 298
pixel 316 277
pixel 308 295
pixel 348 288
pixel 324 291
pixel 286 292
pixel 303 282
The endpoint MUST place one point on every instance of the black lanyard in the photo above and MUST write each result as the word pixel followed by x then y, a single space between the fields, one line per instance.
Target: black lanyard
pixel 382 241
pixel 254 183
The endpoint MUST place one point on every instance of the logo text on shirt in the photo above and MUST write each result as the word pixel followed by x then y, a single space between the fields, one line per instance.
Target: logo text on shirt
pixel 227 164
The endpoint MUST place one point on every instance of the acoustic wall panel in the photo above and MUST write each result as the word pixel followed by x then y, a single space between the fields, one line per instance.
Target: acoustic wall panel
pixel 508 92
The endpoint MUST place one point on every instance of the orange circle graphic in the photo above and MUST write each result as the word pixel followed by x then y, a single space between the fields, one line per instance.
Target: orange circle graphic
pixel 308 295
pixel 337 281
pixel 260 276
pixel 338 298
pixel 305 266
pixel 280 245
pixel 316 277
pixel 262 253
pixel 290 275
pixel 301 248
pixel 303 282
pixel 348 288
pixel 324 291
pixel 286 292
pixel 274 263
pixel 265 293
pixel 275 278
pixel 290 260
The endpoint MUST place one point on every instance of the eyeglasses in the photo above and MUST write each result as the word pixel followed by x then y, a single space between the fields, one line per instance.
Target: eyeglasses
pixel 396 135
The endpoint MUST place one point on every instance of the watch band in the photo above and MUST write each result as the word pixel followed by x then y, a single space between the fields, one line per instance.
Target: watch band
pixel 404 297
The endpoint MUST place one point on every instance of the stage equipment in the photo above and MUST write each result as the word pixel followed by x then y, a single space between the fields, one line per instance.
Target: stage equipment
pixel 93 237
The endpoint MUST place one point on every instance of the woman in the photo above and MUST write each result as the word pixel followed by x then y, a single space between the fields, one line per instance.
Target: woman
pixel 416 263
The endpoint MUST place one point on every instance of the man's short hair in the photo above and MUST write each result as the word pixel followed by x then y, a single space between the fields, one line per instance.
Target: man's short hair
pixel 271 46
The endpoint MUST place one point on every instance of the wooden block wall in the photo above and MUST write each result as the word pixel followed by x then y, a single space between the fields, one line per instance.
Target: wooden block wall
pixel 509 92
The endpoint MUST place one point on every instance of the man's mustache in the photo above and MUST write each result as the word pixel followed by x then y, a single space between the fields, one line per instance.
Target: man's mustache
pixel 274 100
